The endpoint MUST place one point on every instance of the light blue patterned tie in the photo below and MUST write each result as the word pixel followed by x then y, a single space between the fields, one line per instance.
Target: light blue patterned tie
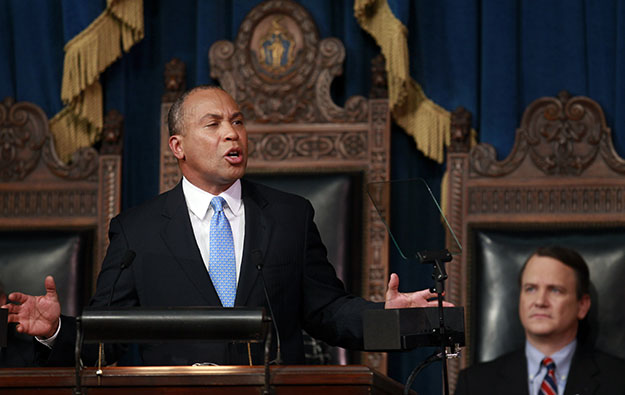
pixel 222 262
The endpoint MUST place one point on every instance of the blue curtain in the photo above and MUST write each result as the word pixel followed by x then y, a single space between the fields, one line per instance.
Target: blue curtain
pixel 492 57
pixel 32 36
pixel 495 57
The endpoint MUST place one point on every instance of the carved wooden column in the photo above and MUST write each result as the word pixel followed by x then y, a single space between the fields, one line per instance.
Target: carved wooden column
pixel 175 85
pixel 457 162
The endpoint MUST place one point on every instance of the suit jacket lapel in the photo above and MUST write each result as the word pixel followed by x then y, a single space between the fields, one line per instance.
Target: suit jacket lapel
pixel 257 233
pixel 177 234
pixel 512 376
pixel 581 379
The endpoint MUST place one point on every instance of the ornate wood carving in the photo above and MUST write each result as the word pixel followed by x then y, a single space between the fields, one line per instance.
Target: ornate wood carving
pixel 109 204
pixel 22 134
pixel 82 165
pixel 460 130
pixel 25 140
pixel 379 170
pixel 456 176
pixel 53 203
pixel 457 276
pixel 560 135
pixel 376 266
pixel 175 77
pixel 547 199
pixel 279 71
pixel 170 173
pixel 112 133
pixel 379 84
pixel 39 191
pixel 341 145
pixel 562 171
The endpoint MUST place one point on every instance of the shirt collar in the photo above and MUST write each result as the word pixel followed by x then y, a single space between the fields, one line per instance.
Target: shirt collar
pixel 562 359
pixel 199 200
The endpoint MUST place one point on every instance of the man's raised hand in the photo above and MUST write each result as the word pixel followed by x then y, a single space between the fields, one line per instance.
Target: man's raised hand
pixel 36 315
pixel 399 300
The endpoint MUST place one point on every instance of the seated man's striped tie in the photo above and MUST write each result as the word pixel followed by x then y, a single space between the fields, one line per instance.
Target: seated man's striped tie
pixel 549 385
pixel 221 257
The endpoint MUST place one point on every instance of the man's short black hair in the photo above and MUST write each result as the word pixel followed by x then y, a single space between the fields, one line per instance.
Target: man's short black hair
pixel 176 113
pixel 570 258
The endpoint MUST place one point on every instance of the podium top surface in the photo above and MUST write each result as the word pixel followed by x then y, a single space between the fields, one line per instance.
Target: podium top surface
pixel 304 379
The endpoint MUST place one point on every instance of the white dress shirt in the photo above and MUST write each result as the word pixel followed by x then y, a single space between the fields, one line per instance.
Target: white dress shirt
pixel 200 212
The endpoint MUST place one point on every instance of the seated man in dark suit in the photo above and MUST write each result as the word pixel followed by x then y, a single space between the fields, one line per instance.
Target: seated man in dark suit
pixel 202 243
pixel 20 349
pixel 555 296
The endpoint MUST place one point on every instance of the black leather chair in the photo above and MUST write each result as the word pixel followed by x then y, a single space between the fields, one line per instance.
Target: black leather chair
pixel 501 254
pixel 27 257
pixel 563 183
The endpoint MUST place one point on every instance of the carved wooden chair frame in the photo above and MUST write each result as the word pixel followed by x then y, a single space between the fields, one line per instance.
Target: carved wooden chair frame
pixel 563 171
pixel 38 191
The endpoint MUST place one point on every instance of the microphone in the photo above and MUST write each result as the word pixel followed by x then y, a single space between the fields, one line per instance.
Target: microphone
pixel 127 260
pixel 257 255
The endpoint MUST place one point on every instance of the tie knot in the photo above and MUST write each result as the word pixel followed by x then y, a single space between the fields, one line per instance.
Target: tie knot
pixel 549 363
pixel 218 203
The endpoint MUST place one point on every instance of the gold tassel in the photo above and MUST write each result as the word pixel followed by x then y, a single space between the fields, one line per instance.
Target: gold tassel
pixel 420 117
pixel 87 55
pixel 71 127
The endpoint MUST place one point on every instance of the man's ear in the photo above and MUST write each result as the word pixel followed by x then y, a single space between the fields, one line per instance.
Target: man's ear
pixel 175 145
pixel 583 305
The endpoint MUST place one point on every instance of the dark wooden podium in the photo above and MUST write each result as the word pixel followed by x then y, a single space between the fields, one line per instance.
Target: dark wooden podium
pixel 300 380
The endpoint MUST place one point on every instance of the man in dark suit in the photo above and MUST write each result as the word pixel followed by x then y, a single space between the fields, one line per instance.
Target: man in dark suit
pixel 174 265
pixel 554 298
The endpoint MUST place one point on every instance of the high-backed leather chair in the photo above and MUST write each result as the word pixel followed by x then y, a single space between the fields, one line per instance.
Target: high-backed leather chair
pixel 280 73
pixel 563 183
pixel 54 216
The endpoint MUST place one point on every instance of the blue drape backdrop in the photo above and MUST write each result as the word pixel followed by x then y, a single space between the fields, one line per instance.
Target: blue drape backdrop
pixel 492 57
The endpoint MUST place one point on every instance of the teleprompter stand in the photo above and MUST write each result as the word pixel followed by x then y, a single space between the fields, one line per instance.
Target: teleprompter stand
pixel 437 259
pixel 408 328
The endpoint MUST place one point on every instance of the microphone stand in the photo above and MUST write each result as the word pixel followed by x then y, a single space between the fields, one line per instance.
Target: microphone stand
pixel 278 359
pixel 126 261
pixel 78 362
pixel 437 259
pixel 267 363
